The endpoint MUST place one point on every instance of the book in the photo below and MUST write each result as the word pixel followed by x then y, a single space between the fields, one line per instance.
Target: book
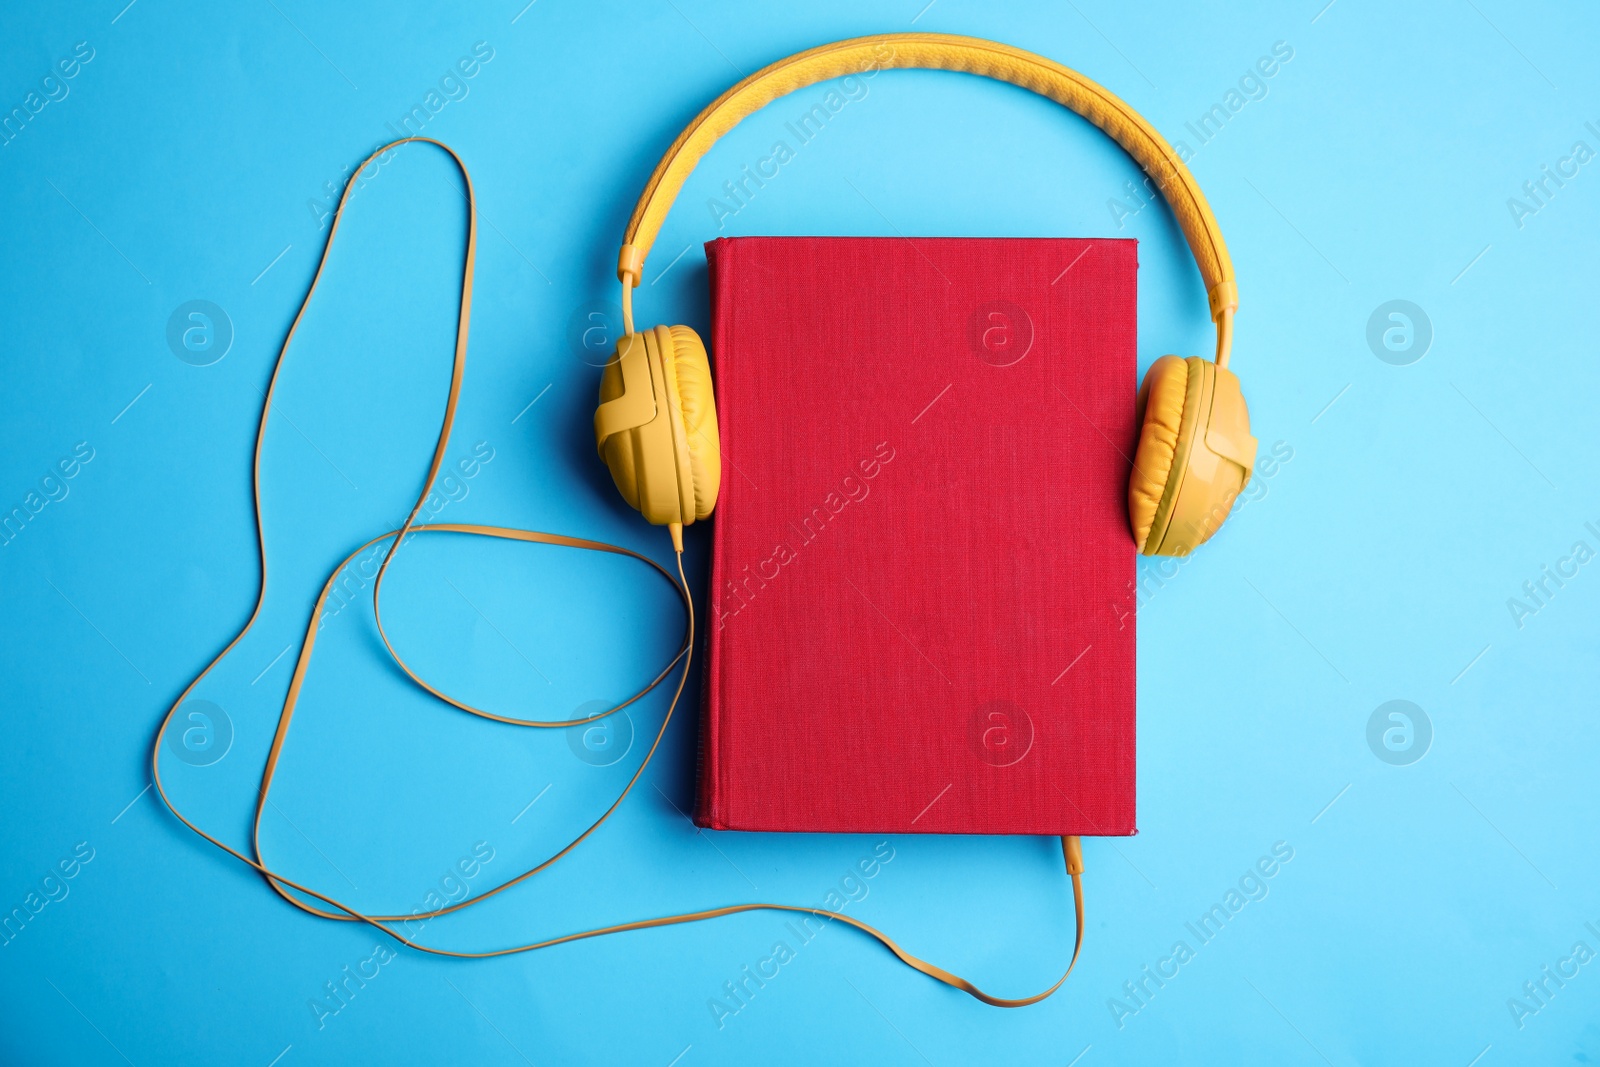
pixel 920 610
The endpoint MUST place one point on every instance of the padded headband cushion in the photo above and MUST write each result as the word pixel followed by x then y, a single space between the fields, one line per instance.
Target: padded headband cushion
pixel 936 51
pixel 698 403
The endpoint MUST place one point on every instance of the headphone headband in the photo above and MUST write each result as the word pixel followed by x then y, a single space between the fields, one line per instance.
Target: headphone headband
pixel 970 55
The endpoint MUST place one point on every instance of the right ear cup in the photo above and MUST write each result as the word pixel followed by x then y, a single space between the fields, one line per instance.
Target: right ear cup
pixel 690 371
pixel 1194 456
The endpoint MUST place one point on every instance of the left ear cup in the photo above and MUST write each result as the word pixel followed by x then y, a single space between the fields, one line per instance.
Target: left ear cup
pixel 639 432
pixel 1194 456
pixel 697 405
pixel 656 426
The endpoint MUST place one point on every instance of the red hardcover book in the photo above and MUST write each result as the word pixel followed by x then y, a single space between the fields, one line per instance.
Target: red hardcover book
pixel 921 545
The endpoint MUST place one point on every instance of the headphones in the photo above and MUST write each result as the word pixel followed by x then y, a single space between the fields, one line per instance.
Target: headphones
pixel 656 425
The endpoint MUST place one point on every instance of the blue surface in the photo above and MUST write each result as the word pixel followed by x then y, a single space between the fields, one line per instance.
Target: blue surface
pixel 188 160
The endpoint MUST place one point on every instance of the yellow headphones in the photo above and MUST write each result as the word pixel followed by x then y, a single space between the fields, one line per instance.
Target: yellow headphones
pixel 656 426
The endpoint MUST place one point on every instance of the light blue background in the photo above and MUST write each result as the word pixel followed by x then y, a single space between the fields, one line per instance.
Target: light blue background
pixel 1377 565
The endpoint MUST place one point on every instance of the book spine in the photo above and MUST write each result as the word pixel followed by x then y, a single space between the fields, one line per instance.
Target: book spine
pixel 709 796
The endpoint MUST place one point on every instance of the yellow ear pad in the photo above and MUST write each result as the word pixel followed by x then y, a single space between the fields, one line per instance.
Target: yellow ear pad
pixel 697 405
pixel 1194 457
pixel 1160 417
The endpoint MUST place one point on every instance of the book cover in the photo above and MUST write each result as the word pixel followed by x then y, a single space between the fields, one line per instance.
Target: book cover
pixel 921 551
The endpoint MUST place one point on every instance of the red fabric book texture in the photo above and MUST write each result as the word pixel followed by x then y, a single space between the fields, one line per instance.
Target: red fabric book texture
pixel 922 537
